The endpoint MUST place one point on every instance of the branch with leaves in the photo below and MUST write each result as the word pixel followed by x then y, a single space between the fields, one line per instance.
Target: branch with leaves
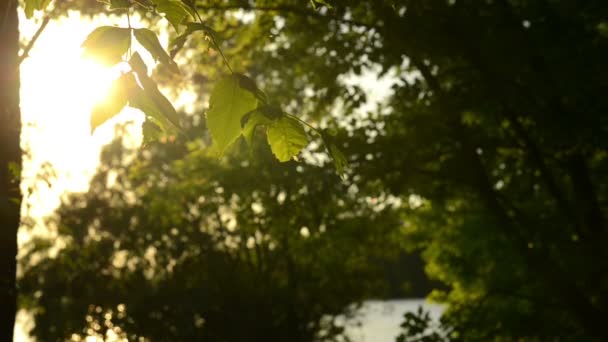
pixel 237 107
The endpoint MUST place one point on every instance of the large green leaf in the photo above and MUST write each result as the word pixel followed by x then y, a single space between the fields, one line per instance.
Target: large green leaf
pixel 114 102
pixel 141 101
pixel 151 101
pixel 175 11
pixel 149 41
pixel 227 106
pixel 286 137
pixel 107 44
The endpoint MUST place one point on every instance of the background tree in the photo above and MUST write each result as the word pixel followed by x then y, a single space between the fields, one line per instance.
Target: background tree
pixel 494 133
pixel 234 99
pixel 171 244
pixel 496 120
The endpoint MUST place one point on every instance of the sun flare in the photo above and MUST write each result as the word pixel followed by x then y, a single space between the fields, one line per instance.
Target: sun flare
pixel 58 90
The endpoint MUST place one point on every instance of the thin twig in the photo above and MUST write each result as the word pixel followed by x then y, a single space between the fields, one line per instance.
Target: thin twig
pixel 32 41
pixel 304 123
pixel 130 32
pixel 214 42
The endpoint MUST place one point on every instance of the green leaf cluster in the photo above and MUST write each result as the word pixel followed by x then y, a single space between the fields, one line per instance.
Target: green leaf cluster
pixel 136 88
pixel 234 100
pixel 35 5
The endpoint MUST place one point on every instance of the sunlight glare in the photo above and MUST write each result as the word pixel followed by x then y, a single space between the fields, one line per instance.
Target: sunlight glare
pixel 58 91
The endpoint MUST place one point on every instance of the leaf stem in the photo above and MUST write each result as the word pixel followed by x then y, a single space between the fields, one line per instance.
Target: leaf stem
pixel 32 41
pixel 315 130
pixel 129 25
pixel 214 42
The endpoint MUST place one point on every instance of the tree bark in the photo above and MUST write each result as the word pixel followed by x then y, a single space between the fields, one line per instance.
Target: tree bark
pixel 10 161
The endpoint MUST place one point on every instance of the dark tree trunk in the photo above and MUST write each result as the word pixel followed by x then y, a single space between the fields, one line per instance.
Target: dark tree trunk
pixel 10 160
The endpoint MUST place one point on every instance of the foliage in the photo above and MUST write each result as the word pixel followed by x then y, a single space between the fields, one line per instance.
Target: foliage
pixel 171 244
pixel 418 327
pixel 231 100
pixel 494 132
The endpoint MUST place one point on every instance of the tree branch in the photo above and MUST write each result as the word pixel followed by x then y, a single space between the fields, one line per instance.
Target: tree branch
pixel 288 9
pixel 32 41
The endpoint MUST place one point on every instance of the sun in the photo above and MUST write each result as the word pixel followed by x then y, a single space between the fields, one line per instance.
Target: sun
pixel 58 90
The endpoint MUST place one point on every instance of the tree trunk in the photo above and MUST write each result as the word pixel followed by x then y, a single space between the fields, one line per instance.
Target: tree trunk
pixel 10 162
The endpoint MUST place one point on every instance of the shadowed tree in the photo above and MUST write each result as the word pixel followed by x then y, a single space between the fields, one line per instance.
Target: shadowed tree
pixel 171 244
pixel 10 163
pixel 494 131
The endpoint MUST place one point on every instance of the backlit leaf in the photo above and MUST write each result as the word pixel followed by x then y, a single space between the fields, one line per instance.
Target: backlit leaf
pixel 149 41
pixel 256 119
pixel 34 5
pixel 107 44
pixel 228 103
pixel 321 2
pixel 179 41
pixel 138 65
pixel 339 159
pixel 286 137
pixel 175 11
pixel 151 101
pixel 114 102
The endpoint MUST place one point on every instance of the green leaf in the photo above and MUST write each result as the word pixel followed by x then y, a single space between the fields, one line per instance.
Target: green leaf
pixel 175 11
pixel 179 41
pixel 35 5
pixel 138 65
pixel 286 137
pixel 107 44
pixel 339 159
pixel 249 84
pixel 256 119
pixel 228 103
pixel 151 101
pixel 141 101
pixel 149 41
pixel 322 2
pixel 114 102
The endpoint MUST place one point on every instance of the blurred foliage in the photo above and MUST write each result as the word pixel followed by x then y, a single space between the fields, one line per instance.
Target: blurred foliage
pixel 494 133
pixel 170 244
